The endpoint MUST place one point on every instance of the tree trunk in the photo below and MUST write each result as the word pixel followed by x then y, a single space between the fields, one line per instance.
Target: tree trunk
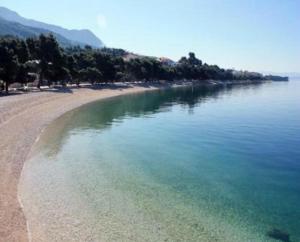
pixel 40 81
pixel 6 86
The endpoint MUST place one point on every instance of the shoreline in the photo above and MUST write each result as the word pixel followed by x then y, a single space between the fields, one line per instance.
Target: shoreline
pixel 18 135
pixel 23 118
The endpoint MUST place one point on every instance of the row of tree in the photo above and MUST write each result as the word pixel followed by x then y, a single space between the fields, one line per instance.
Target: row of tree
pixel 41 59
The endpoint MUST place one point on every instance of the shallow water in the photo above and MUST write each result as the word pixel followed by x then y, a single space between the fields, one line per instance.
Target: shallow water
pixel 185 164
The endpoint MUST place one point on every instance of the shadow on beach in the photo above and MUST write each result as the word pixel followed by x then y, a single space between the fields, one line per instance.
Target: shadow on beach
pixel 70 88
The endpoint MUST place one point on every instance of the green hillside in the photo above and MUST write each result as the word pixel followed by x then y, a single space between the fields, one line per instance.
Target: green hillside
pixel 8 28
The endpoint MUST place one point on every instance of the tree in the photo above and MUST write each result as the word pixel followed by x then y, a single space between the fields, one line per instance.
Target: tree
pixel 49 54
pixel 192 60
pixel 22 52
pixel 8 66
pixel 72 66
pixel 33 47
pixel 22 74
pixel 42 57
pixel 91 74
pixel 105 64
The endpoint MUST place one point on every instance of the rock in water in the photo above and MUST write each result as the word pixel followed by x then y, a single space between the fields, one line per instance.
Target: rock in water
pixel 279 235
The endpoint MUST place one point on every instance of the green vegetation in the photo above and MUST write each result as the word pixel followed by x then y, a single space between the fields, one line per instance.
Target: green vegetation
pixel 43 61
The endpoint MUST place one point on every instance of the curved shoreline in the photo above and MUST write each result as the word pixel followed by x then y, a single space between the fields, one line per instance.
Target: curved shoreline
pixel 22 120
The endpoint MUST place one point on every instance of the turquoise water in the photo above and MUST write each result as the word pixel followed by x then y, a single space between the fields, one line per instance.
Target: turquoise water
pixel 185 164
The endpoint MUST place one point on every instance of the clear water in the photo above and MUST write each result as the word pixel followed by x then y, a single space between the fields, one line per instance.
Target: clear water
pixel 186 164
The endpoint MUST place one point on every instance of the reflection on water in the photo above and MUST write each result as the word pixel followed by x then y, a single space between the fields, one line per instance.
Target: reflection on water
pixel 187 164
pixel 105 113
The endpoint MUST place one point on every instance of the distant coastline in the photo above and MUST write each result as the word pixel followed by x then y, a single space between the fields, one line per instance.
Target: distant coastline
pixel 277 78
pixel 40 61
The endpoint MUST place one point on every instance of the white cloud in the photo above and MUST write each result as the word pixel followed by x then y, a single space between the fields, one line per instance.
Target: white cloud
pixel 101 21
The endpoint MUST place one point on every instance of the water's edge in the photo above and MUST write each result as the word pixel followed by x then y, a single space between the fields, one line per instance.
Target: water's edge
pixel 50 122
pixel 35 145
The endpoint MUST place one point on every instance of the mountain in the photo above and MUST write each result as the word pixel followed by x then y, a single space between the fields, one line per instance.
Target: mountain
pixel 84 36
pixel 8 28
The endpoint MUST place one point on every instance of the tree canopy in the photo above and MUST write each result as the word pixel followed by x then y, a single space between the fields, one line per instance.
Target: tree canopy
pixel 52 64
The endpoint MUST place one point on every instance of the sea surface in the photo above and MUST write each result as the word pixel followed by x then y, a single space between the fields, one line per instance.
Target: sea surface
pixel 183 164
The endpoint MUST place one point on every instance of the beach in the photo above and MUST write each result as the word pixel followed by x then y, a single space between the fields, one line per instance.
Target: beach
pixel 22 119
pixel 157 196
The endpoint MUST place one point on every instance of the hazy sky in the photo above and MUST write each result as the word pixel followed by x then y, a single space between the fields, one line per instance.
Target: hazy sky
pixel 262 35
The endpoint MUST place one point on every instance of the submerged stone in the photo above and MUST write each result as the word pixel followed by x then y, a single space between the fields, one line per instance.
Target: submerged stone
pixel 279 235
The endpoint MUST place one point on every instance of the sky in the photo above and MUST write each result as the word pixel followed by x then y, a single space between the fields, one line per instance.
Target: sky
pixel 255 35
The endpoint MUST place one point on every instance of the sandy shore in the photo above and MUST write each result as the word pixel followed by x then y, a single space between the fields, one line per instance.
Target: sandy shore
pixel 22 118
